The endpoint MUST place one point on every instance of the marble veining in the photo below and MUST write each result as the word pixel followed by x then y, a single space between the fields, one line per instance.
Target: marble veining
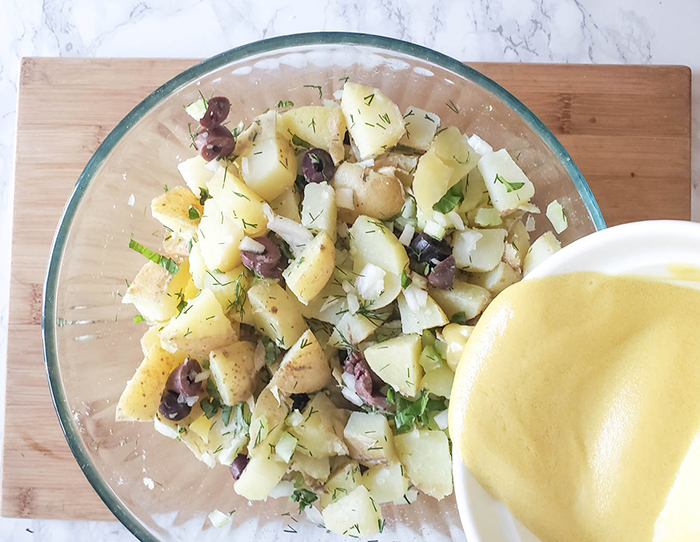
pixel 582 31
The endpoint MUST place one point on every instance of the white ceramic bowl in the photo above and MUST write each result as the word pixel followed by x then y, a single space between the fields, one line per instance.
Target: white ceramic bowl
pixel 637 248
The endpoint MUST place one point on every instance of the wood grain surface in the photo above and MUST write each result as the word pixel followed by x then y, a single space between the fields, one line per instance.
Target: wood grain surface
pixel 627 127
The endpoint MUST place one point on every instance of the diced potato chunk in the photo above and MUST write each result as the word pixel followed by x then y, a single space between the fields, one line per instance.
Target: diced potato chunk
pixel 275 313
pixel 456 337
pixel 230 291
pixel 195 174
pixel 200 328
pixel 319 212
pixel 386 483
pixel 353 515
pixel 320 433
pixel 234 372
pixel 141 397
pixel 438 381
pixel 271 168
pixel 479 250
pixel 374 121
pixel 260 476
pixel 420 128
pixel 378 194
pixel 218 238
pixel 431 180
pixel 322 127
pixel 329 305
pixel 316 468
pixel 452 147
pixel 485 217
pixel 369 438
pixel 462 297
pixel 287 204
pixel 519 237
pixel 475 193
pixel 304 368
pixel 496 280
pixel 426 457
pixel 508 186
pixel 396 362
pixel 341 483
pixel 156 293
pixel 308 274
pixel 353 329
pixel 426 317
pixel 238 202
pixel 266 422
pixel 198 266
pixel 372 242
pixel 179 210
pixel 543 247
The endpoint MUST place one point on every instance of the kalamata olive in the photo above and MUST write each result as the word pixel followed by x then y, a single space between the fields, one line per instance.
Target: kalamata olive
pixel 317 166
pixel 173 406
pixel 238 466
pixel 182 379
pixel 443 274
pixel 217 111
pixel 427 249
pixel 299 401
pixel 346 138
pixel 216 142
pixel 269 264
pixel 367 383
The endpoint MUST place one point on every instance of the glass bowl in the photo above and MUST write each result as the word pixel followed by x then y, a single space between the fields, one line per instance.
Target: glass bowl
pixel 91 344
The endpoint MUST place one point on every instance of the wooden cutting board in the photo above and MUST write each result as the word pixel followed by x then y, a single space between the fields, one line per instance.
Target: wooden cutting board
pixel 627 127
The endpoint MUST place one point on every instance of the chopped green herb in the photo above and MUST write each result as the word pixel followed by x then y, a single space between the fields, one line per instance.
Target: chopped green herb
pixel 368 99
pixel 344 79
pixel 271 350
pixel 193 213
pixel 304 497
pixel 169 265
pixel 138 319
pixel 405 280
pixel 226 414
pixel 451 199
pixel 285 103
pixel 299 142
pixel 203 195
pixel 452 106
pixel 459 318
pixel 238 129
pixel 317 87
pixel 509 186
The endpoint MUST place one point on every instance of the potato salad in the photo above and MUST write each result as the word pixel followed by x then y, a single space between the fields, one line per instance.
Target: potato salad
pixel 321 272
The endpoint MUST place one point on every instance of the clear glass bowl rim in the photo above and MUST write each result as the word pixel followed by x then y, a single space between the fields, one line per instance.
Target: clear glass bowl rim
pixel 277 43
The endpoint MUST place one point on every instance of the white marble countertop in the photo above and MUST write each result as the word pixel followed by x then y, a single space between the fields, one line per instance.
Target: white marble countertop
pixel 577 31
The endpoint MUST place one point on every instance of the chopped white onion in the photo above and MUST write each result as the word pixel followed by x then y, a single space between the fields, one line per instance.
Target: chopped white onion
pixel 370 282
pixel 219 519
pixel 190 401
pixel 330 103
pixel 367 163
pixel 338 94
pixel 348 390
pixel 511 256
pixel 419 280
pixel 479 145
pixel 441 419
pixel 148 483
pixel 353 303
pixel 293 233
pixel 416 298
pixel 212 165
pixel 202 376
pixel 259 356
pixel 469 240
pixel 440 219
pixel 530 223
pixel 313 515
pixel 456 220
pixel 164 429
pixel 348 287
pixel 284 489
pixel 251 245
pixel 407 235
pixel 275 391
pixel 345 198
pixel 434 229
pixel 328 303
pixel 342 228
pixel 131 200
pixel 530 208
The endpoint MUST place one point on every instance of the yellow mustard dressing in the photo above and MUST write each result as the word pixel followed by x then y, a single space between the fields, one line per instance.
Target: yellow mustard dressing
pixel 576 403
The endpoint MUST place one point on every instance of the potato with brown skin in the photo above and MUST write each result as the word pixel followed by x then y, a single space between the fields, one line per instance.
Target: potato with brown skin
pixel 275 313
pixel 179 210
pixel 141 397
pixel 378 194
pixel 304 368
pixel 234 372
